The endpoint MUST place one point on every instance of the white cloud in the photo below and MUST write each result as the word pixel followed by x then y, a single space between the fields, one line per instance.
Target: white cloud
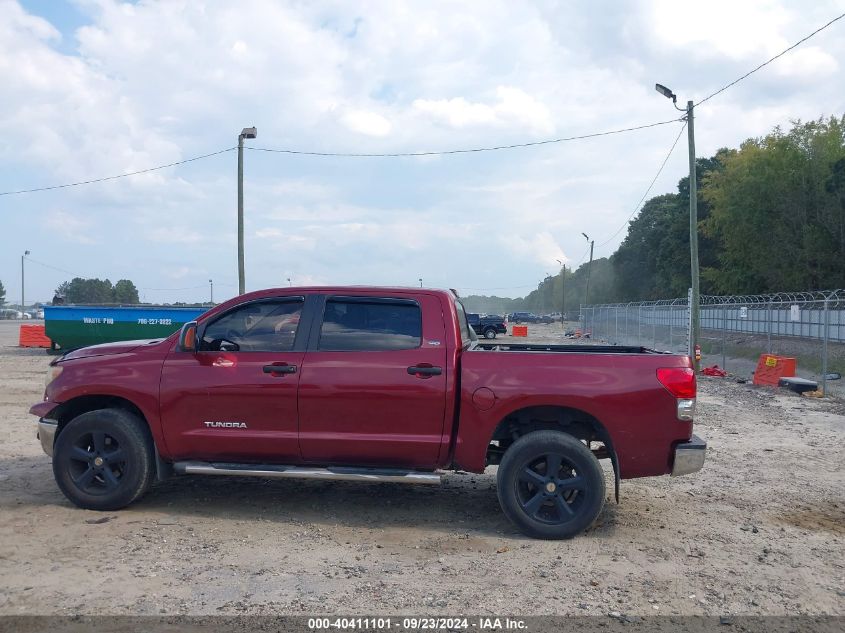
pixel 513 107
pixel 69 226
pixel 541 248
pixel 364 122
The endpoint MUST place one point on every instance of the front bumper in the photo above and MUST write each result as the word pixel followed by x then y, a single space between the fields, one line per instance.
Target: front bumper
pixel 47 434
pixel 689 456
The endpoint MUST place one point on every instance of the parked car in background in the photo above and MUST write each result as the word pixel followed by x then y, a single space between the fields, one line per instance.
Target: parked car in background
pixel 523 317
pixel 8 313
pixel 487 325
pixel 547 318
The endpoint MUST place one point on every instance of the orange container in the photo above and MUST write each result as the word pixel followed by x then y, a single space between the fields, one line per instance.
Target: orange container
pixel 771 368
pixel 520 330
pixel 33 336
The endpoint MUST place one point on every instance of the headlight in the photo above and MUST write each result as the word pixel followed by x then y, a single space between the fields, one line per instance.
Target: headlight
pixel 52 373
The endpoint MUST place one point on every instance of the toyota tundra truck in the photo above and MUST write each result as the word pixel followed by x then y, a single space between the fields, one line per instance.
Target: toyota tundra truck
pixel 367 384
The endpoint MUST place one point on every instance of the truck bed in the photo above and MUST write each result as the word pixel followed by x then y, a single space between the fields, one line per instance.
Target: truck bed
pixel 575 349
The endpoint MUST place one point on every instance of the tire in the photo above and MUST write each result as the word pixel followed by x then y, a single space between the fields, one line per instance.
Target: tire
pixel 104 459
pixel 545 507
pixel 489 333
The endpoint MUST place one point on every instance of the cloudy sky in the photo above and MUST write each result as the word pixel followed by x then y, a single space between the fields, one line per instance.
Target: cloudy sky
pixel 94 88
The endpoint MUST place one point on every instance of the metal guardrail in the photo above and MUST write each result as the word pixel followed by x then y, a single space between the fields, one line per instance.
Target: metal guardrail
pixel 804 324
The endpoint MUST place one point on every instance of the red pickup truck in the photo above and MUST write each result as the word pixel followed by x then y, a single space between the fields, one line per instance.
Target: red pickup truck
pixel 367 384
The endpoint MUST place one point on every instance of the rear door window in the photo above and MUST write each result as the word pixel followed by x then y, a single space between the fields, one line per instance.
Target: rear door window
pixel 365 324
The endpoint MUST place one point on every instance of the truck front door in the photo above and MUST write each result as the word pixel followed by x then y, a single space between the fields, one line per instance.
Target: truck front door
pixel 235 398
pixel 373 385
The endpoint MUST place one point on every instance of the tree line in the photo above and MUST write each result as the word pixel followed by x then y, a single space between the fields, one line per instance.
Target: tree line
pixel 82 291
pixel 771 219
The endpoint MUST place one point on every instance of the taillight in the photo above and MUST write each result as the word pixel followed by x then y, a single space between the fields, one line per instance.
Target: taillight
pixel 679 381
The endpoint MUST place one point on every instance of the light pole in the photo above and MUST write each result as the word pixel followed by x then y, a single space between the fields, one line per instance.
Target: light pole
pixel 289 282
pixel 546 280
pixel 589 269
pixel 693 222
pixel 562 297
pixel 247 132
pixel 211 292
pixel 420 280
pixel 23 309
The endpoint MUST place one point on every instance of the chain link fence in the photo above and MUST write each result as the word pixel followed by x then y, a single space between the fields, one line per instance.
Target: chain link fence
pixel 735 330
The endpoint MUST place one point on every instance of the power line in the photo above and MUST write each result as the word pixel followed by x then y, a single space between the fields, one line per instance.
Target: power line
pixel 769 61
pixel 126 175
pixel 647 191
pixel 492 148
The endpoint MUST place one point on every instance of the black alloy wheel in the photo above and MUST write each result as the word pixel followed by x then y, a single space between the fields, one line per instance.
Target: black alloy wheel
pixel 104 459
pixel 550 485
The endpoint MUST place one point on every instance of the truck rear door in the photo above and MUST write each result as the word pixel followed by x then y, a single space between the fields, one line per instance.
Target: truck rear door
pixel 372 388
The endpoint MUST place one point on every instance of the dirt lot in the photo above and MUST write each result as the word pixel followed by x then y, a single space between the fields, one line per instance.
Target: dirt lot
pixel 759 531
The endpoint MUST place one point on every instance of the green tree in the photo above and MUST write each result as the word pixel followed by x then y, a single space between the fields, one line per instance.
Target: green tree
pixel 653 261
pixel 125 292
pixel 82 291
pixel 2 294
pixel 777 216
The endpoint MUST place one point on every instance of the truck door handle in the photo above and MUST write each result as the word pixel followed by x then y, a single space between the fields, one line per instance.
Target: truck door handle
pixel 424 370
pixel 279 369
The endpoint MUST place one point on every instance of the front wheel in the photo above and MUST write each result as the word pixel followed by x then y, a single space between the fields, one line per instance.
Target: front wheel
pixel 550 485
pixel 104 459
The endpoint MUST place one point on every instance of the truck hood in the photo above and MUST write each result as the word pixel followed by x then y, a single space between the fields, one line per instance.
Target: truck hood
pixel 108 349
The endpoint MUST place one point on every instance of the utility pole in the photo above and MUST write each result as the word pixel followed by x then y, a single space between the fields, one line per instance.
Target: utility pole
pixel 693 224
pixel 211 291
pixel 693 239
pixel 248 132
pixel 23 309
pixel 562 295
pixel 589 270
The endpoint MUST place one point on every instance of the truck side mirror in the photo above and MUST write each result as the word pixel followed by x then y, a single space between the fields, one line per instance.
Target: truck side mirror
pixel 188 337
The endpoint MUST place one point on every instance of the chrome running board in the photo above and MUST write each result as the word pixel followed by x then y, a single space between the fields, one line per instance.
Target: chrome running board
pixel 336 473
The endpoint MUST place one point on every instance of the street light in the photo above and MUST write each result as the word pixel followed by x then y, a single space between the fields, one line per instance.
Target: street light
pixel 420 282
pixel 247 132
pixel 589 269
pixel 23 309
pixel 211 291
pixel 289 282
pixel 693 222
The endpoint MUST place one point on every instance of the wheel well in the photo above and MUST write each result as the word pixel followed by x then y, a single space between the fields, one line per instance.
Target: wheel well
pixel 67 411
pixel 568 420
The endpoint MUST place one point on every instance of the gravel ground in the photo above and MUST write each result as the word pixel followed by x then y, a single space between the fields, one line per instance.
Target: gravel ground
pixel 759 531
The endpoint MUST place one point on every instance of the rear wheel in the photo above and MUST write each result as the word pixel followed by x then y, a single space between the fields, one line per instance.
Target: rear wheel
pixel 104 459
pixel 489 333
pixel 550 485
